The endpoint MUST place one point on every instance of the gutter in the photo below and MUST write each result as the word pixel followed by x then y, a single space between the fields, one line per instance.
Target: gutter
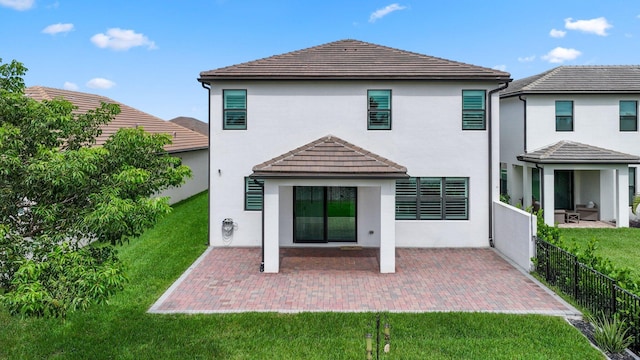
pixel 524 100
pixel 490 151
pixel 208 88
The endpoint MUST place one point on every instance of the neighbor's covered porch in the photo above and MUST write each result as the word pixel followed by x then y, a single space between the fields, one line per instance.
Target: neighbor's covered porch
pixel 578 182
pixel 328 193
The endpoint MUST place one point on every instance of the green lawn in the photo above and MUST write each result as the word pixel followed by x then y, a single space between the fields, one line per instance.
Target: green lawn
pixel 123 329
pixel 621 246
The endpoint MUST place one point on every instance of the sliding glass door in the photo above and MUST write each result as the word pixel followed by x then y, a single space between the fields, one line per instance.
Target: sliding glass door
pixel 324 214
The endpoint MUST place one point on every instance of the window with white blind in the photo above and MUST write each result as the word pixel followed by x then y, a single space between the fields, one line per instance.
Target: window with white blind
pixel 473 109
pixel 235 109
pixel 379 110
pixel 253 194
pixel 432 198
pixel 628 115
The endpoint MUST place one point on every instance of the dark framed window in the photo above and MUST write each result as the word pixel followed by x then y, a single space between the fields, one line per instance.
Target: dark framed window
pixel 632 184
pixel 432 198
pixel 628 115
pixel 474 109
pixel 379 110
pixel 503 179
pixel 564 115
pixel 235 109
pixel 253 194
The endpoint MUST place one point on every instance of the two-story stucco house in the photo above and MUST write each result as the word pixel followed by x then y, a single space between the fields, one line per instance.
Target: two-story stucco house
pixel 569 142
pixel 353 144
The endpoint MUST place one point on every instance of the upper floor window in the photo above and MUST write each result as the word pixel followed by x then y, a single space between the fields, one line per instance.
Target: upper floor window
pixel 473 109
pixel 564 115
pixel 432 198
pixel 235 110
pixel 628 115
pixel 379 110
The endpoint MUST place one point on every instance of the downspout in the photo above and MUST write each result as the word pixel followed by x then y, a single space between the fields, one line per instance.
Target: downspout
pixel 490 150
pixel 208 88
pixel 262 213
pixel 524 100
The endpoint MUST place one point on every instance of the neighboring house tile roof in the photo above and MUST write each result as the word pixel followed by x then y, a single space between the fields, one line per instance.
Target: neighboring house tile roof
pixel 579 80
pixel 353 59
pixel 329 157
pixel 192 124
pixel 183 138
pixel 569 152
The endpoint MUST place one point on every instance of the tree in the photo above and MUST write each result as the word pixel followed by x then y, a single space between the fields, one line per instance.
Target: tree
pixel 58 190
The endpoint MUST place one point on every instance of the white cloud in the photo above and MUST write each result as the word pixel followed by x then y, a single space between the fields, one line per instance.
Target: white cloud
pixel 500 67
pixel 57 28
pixel 527 58
pixel 560 55
pixel 119 39
pixel 70 86
pixel 17 4
pixel 596 26
pixel 100 83
pixel 557 33
pixel 380 13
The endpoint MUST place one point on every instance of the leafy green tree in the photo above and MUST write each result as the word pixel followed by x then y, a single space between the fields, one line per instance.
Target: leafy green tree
pixel 59 191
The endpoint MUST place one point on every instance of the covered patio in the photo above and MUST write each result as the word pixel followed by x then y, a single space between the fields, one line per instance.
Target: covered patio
pixel 328 193
pixel 580 182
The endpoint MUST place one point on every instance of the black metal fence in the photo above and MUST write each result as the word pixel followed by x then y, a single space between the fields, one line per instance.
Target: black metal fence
pixel 589 288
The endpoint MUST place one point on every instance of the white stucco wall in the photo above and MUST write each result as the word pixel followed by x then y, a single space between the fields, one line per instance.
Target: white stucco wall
pixel 198 162
pixel 426 137
pixel 514 231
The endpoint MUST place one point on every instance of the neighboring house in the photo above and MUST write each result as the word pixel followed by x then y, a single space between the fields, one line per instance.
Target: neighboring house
pixel 569 141
pixel 353 144
pixel 191 147
pixel 192 124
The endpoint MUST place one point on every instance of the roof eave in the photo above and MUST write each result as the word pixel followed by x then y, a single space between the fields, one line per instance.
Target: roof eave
pixel 568 92
pixel 582 162
pixel 361 176
pixel 207 79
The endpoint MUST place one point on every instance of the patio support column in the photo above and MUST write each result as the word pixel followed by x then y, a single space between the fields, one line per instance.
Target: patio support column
pixel 271 227
pixel 549 195
pixel 387 227
pixel 622 187
pixel 526 187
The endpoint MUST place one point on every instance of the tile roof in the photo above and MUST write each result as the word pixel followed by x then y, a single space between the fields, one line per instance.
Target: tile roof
pixel 192 124
pixel 183 138
pixel 353 59
pixel 569 152
pixel 329 157
pixel 578 80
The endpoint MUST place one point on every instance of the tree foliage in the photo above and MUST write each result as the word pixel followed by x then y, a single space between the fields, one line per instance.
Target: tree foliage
pixel 57 187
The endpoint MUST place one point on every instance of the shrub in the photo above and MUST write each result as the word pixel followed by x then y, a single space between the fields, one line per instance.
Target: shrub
pixel 611 334
pixel 67 279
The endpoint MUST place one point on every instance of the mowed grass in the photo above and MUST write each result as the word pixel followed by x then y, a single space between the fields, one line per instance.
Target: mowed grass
pixel 124 330
pixel 620 245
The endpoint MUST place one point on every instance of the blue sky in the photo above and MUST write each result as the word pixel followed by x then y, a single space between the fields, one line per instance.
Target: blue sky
pixel 149 53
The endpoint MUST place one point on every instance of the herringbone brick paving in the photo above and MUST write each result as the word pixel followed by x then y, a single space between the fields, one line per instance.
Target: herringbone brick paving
pixel 228 280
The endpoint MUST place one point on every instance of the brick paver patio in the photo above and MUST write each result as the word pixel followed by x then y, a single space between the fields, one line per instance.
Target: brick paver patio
pixel 228 280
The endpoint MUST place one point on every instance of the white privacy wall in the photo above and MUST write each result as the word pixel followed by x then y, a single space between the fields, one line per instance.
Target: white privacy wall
pixel 426 137
pixel 514 231
pixel 198 162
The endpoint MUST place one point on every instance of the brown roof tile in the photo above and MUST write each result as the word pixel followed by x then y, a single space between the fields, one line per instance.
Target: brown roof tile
pixel 183 138
pixel 353 59
pixel 330 157
pixel 569 152
pixel 586 79
pixel 192 124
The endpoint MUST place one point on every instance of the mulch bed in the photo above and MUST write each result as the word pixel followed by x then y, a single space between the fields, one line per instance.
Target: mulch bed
pixel 587 330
